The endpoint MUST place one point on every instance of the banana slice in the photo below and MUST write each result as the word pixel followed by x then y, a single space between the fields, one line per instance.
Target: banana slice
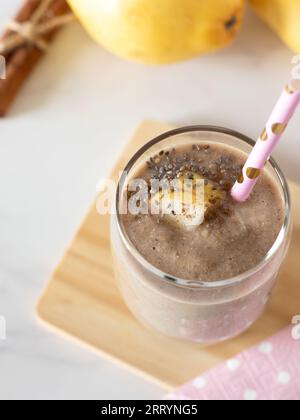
pixel 183 211
pixel 188 202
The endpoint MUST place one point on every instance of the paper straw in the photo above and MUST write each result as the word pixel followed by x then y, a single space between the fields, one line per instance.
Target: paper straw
pixel 268 140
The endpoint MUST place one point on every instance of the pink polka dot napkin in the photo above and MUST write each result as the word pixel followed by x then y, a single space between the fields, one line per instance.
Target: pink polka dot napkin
pixel 269 371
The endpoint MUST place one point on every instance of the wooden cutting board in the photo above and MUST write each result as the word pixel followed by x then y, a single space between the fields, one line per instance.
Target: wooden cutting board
pixel 82 301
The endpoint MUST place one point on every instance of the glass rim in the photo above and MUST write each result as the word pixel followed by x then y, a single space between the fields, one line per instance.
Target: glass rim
pixel 200 283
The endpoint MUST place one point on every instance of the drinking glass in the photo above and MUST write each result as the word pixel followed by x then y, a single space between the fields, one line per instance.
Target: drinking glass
pixel 194 310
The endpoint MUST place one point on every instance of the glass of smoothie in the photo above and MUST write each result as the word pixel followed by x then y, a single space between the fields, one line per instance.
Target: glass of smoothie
pixel 206 274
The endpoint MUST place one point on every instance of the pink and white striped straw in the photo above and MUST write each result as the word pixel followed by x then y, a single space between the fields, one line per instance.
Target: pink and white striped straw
pixel 276 125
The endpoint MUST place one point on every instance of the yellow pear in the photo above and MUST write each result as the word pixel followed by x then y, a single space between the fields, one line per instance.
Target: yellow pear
pixel 284 17
pixel 160 31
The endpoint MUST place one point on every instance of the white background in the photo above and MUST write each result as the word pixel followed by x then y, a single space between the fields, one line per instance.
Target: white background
pixel 64 133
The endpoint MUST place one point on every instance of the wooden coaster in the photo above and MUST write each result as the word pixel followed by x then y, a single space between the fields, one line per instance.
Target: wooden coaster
pixel 83 301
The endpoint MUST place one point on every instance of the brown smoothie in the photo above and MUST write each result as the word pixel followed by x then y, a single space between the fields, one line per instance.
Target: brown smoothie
pixel 177 278
pixel 233 237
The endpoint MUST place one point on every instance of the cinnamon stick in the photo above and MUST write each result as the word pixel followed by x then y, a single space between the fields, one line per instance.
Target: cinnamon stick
pixel 21 62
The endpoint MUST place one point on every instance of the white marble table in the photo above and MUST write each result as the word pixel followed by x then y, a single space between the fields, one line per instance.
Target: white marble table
pixel 65 133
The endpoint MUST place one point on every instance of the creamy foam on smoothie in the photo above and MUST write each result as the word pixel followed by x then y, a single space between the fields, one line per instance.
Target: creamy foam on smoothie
pixel 232 238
